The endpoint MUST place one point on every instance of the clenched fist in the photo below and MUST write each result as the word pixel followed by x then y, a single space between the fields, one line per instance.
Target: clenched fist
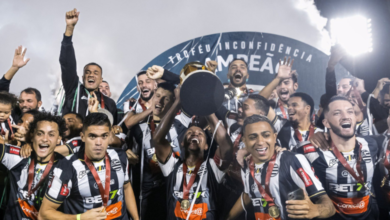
pixel 72 17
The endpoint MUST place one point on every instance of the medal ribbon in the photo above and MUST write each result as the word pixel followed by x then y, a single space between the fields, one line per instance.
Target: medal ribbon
pixel 187 187
pixel 104 192
pixel 265 193
pixel 282 109
pixel 299 135
pixel 31 172
pixel 340 157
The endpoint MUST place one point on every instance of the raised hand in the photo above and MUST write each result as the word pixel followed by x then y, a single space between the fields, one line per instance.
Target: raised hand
pixel 284 71
pixel 117 129
pixel 358 84
pixel 382 82
pixel 72 17
pixel 212 65
pixel 19 60
pixel 155 72
pixel 93 103
pixel 336 54
pixel 20 134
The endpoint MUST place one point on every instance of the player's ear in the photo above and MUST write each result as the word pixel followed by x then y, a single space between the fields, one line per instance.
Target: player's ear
pixel 295 86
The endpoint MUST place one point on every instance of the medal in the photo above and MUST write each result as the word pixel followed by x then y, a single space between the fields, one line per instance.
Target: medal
pixel 274 211
pixel 30 177
pixel 185 204
pixel 154 158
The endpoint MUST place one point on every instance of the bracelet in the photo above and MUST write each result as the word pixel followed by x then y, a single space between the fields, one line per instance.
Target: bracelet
pixel 79 217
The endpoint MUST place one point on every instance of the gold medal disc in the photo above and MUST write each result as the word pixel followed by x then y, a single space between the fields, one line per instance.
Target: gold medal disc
pixel 274 212
pixel 185 204
pixel 154 158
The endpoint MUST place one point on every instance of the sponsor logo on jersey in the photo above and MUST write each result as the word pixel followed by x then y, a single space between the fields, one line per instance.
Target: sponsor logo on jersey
pixel 75 143
pixel 14 150
pixel 199 211
pixel 95 185
pixel 179 194
pixel 259 202
pixel 98 198
pixel 333 162
pixel 309 149
pixel 255 188
pixel 305 178
pixel 64 190
pixel 359 205
pixel 346 187
pixel 151 151
pixel 116 164
pixel 83 173
pixel 366 156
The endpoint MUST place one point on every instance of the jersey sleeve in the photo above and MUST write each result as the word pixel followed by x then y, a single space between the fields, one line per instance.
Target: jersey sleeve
pixel 302 174
pixel 9 155
pixel 215 164
pixel 184 119
pixel 60 186
pixel 125 163
pixel 169 165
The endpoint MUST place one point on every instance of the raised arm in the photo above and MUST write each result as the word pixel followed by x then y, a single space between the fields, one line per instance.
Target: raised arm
pixel 157 72
pixel 17 63
pixel 284 72
pixel 162 145
pixel 67 55
pixel 225 149
pixel 134 118
pixel 336 54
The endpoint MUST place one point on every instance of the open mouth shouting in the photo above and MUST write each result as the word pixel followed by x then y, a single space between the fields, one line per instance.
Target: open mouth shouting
pixel 238 76
pixel 43 149
pixel 91 81
pixel 263 151
pixel 346 124
pixel 284 95
pixel 145 92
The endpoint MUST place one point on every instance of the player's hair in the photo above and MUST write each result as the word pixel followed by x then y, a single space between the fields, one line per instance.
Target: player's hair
pixel 167 86
pixel 261 103
pixel 235 59
pixel 307 99
pixel 97 119
pixel 254 119
pixel 94 64
pixel 33 91
pixel 104 81
pixel 141 73
pixel 8 99
pixel 78 116
pixel 333 99
pixel 46 116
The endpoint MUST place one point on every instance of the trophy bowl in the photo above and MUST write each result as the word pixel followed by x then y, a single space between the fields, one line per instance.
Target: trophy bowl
pixel 201 92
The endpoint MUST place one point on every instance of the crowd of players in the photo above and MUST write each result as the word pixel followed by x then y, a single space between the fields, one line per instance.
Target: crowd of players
pixel 263 155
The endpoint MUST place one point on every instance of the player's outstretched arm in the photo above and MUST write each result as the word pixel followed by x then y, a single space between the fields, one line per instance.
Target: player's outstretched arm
pixel 130 201
pixel 162 146
pixel 237 208
pixel 18 62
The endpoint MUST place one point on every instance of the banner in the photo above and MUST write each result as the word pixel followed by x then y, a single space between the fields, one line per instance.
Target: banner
pixel 262 52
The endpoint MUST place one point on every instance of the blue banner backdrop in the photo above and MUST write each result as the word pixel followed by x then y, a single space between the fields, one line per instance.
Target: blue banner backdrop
pixel 262 52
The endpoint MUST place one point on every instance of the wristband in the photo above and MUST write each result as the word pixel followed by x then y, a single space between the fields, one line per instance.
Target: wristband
pixel 79 217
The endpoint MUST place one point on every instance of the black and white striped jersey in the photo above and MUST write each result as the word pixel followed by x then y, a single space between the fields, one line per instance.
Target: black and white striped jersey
pixel 291 172
pixel 74 186
pixel 18 174
pixel 351 198
pixel 141 134
pixel 204 207
pixel 76 142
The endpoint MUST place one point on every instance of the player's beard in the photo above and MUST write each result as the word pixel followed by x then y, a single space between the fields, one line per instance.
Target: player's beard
pixel 337 131
pixel 149 97
pixel 238 84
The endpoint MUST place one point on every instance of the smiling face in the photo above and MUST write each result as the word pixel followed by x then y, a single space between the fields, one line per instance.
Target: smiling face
pixel 73 125
pixel 260 139
pixel 298 110
pixel 105 89
pixel 92 77
pixel 238 73
pixel 163 100
pixel 286 88
pixel 147 87
pixel 45 138
pixel 249 109
pixel 28 102
pixel 96 139
pixel 341 119
pixel 195 140
pixel 344 86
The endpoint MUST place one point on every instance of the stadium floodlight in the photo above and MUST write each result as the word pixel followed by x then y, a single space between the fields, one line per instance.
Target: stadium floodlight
pixel 352 33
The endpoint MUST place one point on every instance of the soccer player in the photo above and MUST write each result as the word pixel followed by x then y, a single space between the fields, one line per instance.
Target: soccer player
pixel 191 180
pixel 285 83
pixel 76 94
pixel 269 177
pixel 93 183
pixel 105 88
pixel 74 125
pixel 346 170
pixel 30 176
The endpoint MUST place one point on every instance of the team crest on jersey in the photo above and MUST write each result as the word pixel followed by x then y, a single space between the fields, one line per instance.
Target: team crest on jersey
pixel 83 173
pixel 202 169
pixel 366 156
pixel 345 173
pixel 332 162
pixel 255 188
pixel 116 164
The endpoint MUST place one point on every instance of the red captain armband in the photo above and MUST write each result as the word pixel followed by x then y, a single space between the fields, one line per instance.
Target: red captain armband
pixel 304 177
pixel 14 150
pixel 308 148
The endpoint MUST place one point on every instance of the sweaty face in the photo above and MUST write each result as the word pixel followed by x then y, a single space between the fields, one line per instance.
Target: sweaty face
pixel 298 110
pixel 341 119
pixel 238 73
pixel 163 100
pixel 73 125
pixel 286 88
pixel 5 111
pixel 96 139
pixel 195 140
pixel 344 86
pixel 28 102
pixel 45 139
pixel 260 139
pixel 147 87
pixel 92 77
pixel 105 89
pixel 249 109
